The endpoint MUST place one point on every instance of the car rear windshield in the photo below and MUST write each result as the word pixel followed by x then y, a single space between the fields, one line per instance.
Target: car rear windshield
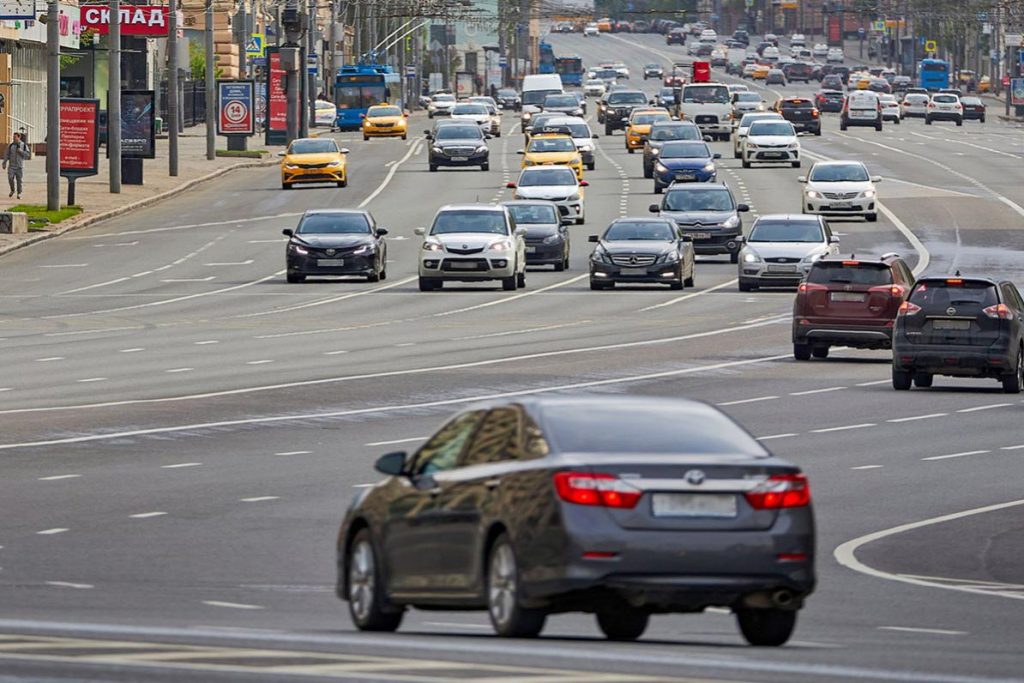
pixel 786 231
pixel 871 274
pixel 627 98
pixel 683 132
pixel 935 296
pixel 458 133
pixel 619 430
pixel 771 128
pixel 469 109
pixel 334 224
pixel 469 221
pixel 527 214
pixel 640 230
pixel 560 101
pixel 547 176
pixel 719 199
pixel 536 97
pixel 945 99
pixel 685 150
pixel 747 97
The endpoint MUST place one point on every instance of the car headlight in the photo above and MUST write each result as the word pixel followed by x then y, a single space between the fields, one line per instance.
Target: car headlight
pixel 669 257
pixel 552 239
pixel 733 222
pixel 334 164
pixel 709 167
pixel 500 245
pixel 811 194
pixel 575 160
pixel 661 168
pixel 655 151
pixel 430 245
pixel 298 250
pixel 481 149
pixel 291 167
pixel 527 116
pixel 751 145
pixel 811 258
pixel 365 249
pixel 574 196
pixel 436 150
pixel 868 194
pixel 794 145
pixel 751 257
pixel 601 256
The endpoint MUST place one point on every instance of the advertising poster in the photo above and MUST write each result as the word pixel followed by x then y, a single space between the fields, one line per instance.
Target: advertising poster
pixel 79 137
pixel 1017 92
pixel 235 108
pixel 277 100
pixel 138 124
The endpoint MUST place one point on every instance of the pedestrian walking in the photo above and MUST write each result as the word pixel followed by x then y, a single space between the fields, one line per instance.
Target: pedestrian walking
pixel 15 156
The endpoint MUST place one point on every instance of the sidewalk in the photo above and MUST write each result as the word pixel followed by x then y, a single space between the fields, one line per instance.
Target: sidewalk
pixel 92 194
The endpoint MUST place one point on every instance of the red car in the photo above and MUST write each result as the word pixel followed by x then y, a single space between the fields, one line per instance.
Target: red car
pixel 849 302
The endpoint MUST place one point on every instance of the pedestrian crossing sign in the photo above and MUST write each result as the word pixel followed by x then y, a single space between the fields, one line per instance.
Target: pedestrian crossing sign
pixel 256 45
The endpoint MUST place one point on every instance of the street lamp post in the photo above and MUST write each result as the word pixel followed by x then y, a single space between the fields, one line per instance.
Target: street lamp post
pixel 211 121
pixel 53 106
pixel 114 97
pixel 172 90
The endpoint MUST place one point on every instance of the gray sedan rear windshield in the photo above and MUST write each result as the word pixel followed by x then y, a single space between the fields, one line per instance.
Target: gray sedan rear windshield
pixel 598 429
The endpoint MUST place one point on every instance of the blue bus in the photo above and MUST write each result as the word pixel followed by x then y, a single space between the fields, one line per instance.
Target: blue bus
pixel 547 59
pixel 358 87
pixel 933 74
pixel 570 69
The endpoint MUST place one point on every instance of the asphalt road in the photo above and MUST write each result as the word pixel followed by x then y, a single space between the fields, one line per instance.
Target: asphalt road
pixel 182 430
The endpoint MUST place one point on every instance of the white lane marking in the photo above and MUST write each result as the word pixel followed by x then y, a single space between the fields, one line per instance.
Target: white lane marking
pixel 230 605
pixel 718 610
pixel 398 407
pixel 867 467
pixel 988 407
pixel 92 379
pixel 276 241
pixel 874 383
pixel 58 477
pixel 257 499
pixel 99 331
pixel 363 486
pixel 186 227
pixel 259 362
pixel 930 631
pixel 294 453
pixel 916 417
pixel 206 342
pixel 404 344
pixel 686 297
pixel 455 624
pixel 180 465
pixel 514 297
pixel 334 353
pixel 747 400
pixel 229 263
pixel 400 373
pixel 69 584
pixel 67 265
pixel 331 300
pixel 87 287
pixel 815 391
pixel 1012 448
pixel 777 436
pixel 147 515
pixel 175 370
pixel 117 244
pixel 3 389
pixel 523 331
pixel 826 430
pixel 956 455
pixel 51 532
pixel 846 554
pixel 132 350
pixel 969 144
pixel 396 441
pixel 49 359
pixel 188 279
pixel 414 149
pixel 967 582
pixel 142 274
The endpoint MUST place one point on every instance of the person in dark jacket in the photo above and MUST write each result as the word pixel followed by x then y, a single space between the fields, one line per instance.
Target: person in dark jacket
pixel 15 156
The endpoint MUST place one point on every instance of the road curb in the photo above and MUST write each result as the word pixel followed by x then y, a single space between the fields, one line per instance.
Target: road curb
pixel 142 203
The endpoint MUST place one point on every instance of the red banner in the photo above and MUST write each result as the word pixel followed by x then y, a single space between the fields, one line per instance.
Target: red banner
pixel 835 31
pixel 276 96
pixel 136 20
pixel 79 136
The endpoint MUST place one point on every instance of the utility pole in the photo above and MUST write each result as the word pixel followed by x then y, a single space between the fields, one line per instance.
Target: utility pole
pixel 114 97
pixel 333 62
pixel 211 121
pixel 172 90
pixel 53 106
pixel 311 78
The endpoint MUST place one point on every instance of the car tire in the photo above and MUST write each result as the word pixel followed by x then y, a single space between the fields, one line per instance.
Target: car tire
pixel 746 164
pixel 688 282
pixel 429 284
pixel 746 287
pixel 508 617
pixel 871 218
pixel 801 351
pixel 896 121
pixel 736 155
pixel 734 258
pixel 433 168
pixel 982 120
pixel 622 624
pixel 678 284
pixel 878 126
pixel 796 164
pixel 1012 383
pixel 373 277
pixel 383 273
pixel 630 149
pixel 366 601
pixel 842 126
pixel 405 137
pixel 295 278
pixel 818 132
pixel 820 352
pixel 581 220
pixel 927 121
pixel 560 266
pixel 608 130
pixel 923 380
pixel 343 183
pixel 596 286
pixel 521 280
pixel 658 189
pixel 959 122
pixel 591 166
pixel 766 627
pixel 508 283
pixel 901 379
pixel 648 172
pixel 286 186
pixel 365 138
pixel 485 167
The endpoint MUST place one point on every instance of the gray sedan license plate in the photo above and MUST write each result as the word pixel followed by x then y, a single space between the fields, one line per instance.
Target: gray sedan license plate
pixel 330 262
pixel 781 269
pixel 634 271
pixel 460 158
pixel 717 505
pixel 841 205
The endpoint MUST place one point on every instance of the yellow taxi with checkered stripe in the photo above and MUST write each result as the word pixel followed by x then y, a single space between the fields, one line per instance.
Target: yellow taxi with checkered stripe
pixel 639 126
pixel 384 121
pixel 553 149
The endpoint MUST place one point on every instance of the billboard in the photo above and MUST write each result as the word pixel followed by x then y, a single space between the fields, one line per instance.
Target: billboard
pixel 1017 92
pixel 277 100
pixel 136 20
pixel 79 137
pixel 236 108
pixel 18 9
pixel 138 124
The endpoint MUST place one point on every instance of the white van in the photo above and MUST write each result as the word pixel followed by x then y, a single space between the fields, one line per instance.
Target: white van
pixel 535 88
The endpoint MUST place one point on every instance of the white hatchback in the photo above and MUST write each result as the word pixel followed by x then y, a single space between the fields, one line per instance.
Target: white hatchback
pixel 914 105
pixel 554 183
pixel 771 142
pixel 891 110
pixel 841 188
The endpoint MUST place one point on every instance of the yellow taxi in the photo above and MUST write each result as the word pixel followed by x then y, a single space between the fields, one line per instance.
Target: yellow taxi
pixel 384 121
pixel 313 160
pixel 553 149
pixel 604 25
pixel 639 126
pixel 861 80
pixel 760 72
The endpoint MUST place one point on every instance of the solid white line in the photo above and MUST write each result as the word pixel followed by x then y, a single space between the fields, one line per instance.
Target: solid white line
pixel 455 624
pixel 257 499
pixel 67 265
pixel 132 350
pixel 50 532
pixel 846 554
pixel 230 263
pixel 188 279
pixel 686 297
pixel 294 453
pixel 173 370
pixel 100 331
pixel 843 428
pixel 58 477
pixel 231 605
pixel 914 418
pixel 331 300
pixel 988 407
pixel 523 331
pixel 747 400
pixel 413 149
pixel 68 584
pixel 816 391
pixel 186 227
pixel 1012 448
pixel 98 284
pixel 776 436
pixel 92 379
pixel 955 455
pixel 912 629
pixel 268 241
pixel 147 515
pixel 871 384
pixel 396 441
pixel 180 464
pixel 867 467
pixel 397 407
pixel 334 353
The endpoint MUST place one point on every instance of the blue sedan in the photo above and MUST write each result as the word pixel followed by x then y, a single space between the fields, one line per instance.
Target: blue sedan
pixel 684 162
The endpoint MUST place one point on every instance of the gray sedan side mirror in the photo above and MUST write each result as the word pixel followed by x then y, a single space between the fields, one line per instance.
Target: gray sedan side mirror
pixel 381 232
pixel 288 231
pixel 594 238
pixel 654 208
pixel 420 231
pixel 391 464
pixel 742 208
pixel 521 232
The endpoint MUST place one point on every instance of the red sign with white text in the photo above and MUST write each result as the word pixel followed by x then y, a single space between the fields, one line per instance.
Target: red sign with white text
pixel 79 137
pixel 136 20
pixel 276 96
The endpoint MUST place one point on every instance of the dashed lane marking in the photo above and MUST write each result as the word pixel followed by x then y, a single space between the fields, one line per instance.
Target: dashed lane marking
pixel 230 605
pixel 258 499
pixel 51 532
pixel 180 465
pixel 747 400
pixel 68 584
pixel 915 418
pixel 147 515
pixel 396 441
pixel 929 631
pixel 964 454
pixel 867 467
pixel 59 477
pixel 844 428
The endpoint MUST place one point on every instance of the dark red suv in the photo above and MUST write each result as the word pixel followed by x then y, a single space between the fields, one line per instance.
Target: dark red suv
pixel 850 302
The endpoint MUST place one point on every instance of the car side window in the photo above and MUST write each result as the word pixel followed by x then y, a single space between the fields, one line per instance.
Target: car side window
pixel 1011 296
pixel 497 439
pixel 442 451
pixel 1017 297
pixel 908 274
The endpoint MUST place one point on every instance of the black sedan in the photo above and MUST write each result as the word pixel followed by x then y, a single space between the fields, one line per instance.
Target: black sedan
pixel 547 232
pixel 619 506
pixel 336 242
pixel 642 250
pixel 458 144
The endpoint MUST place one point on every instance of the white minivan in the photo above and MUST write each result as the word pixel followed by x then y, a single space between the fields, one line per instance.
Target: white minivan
pixel 535 88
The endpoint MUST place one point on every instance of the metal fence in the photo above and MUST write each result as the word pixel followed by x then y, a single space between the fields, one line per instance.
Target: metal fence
pixel 192 102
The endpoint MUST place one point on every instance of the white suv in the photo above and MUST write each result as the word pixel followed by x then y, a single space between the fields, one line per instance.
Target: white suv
pixel 472 243
pixel 840 188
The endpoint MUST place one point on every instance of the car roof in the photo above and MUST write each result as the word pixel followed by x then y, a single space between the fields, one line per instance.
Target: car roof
pixel 838 162
pixel 529 202
pixel 790 217
pixel 693 187
pixel 884 259
pixel 310 212
pixel 472 207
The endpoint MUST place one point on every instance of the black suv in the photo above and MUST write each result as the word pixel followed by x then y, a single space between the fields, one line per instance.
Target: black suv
pixel 620 105
pixel 850 301
pixel 961 327
pixel 801 112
